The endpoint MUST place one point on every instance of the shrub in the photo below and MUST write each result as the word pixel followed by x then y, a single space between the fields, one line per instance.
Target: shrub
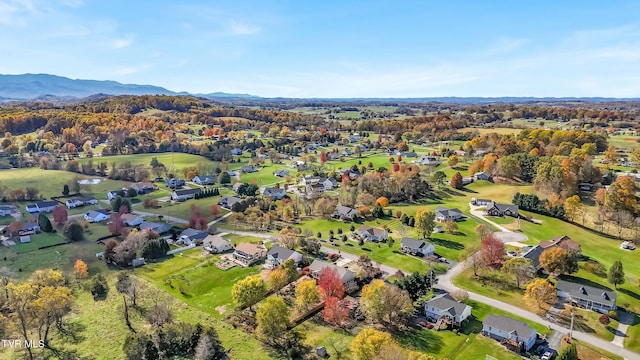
pixel 595 268
pixel 604 319
pixel 613 314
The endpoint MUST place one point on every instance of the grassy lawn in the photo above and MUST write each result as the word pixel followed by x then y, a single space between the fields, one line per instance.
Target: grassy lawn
pixel 633 334
pixel 179 160
pixel 39 240
pixel 588 352
pixel 182 210
pixel 51 182
pixel 203 285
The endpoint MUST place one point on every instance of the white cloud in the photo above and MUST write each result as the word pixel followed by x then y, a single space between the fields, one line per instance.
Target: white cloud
pixel 130 70
pixel 120 43
pixel 238 28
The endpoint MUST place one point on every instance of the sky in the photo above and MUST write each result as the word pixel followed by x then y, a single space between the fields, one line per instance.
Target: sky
pixel 333 49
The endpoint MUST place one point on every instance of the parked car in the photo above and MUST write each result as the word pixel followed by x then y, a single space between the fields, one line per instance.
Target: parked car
pixel 512 253
pixel 547 356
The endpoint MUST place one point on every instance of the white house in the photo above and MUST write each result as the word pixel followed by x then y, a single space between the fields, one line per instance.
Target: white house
pixel 369 233
pixel 96 215
pixel 6 210
pixel 80 201
pixel 446 306
pixel 414 246
pixel 589 297
pixel 427 160
pixel 216 244
pixel 345 213
pixel 482 176
pixel 329 183
pixel 114 194
pixel 502 327
pixel 42 206
pixel 228 201
pixel 443 214
pixel 185 194
pixel 277 255
pixel 191 236
pixel 204 179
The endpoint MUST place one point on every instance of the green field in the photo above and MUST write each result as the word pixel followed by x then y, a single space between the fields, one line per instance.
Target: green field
pixel 39 240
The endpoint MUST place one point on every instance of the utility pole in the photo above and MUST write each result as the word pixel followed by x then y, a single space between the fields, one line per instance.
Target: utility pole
pixel 571 328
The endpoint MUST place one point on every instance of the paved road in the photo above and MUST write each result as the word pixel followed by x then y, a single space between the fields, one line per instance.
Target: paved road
pixel 480 214
pixel 165 217
pixel 331 250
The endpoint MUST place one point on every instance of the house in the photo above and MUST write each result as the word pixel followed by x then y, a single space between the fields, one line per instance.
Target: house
pixel 6 210
pixel 29 228
pixel 482 176
pixel 316 267
pixel 466 180
pixel 191 236
pixel 563 242
pixel 443 214
pixel 355 137
pixel 502 210
pixel 80 201
pixel 114 194
pixel 247 254
pixel 174 183
pixel 131 220
pixel 248 169
pixel 204 179
pixel 236 186
pixel 345 213
pixel 275 193
pixel 216 244
pixel 597 299
pixel 369 233
pixel 444 306
pixel 334 156
pixel 363 147
pixel 42 206
pixel 480 202
pixel 314 188
pixel 228 201
pixel 96 215
pixel 408 154
pixel 346 152
pixel 427 160
pixel 25 239
pixel 533 254
pixel 413 246
pixel 310 180
pixel 277 255
pixel 236 151
pixel 329 183
pixel 185 194
pixel 143 187
pixel 281 173
pixel 500 327
pixel 155 227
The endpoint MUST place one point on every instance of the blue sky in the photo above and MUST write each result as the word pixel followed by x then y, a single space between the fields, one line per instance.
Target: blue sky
pixel 332 48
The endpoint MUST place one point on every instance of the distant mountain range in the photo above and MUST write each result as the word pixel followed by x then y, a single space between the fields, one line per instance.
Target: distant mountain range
pixel 62 89
pixel 54 88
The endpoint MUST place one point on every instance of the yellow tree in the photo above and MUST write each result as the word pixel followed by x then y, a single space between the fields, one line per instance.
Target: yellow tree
pixel 273 320
pixel 80 269
pixel 610 155
pixel 453 160
pixel 553 260
pixel 540 293
pixel 307 294
pixel 372 300
pixel 424 222
pixel 248 291
pixel 369 343
pixel 382 201
pixel 50 306
pixel 572 206
pixel 278 278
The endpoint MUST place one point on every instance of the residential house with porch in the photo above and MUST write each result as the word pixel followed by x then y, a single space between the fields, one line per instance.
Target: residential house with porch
pixel 191 236
pixel 503 328
pixel 444 308
pixel 247 254
pixel 414 246
pixel 204 179
pixel 216 244
pixel 278 254
pixel 502 210
pixel 369 233
pixel 345 213
pixel 131 220
pixel 96 216
pixel 80 201
pixel 156 227
pixel 443 214
pixel 228 201
pixel 275 193
pixel 597 299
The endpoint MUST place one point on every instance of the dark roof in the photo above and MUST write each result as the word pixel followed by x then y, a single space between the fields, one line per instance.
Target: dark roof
pixel 279 252
pixel 597 295
pixel 534 255
pixel 159 228
pixel 274 191
pixel 187 192
pixel 503 207
pixel 412 243
pixel 194 234
pixel 509 325
pixel 447 303
pixel 447 212
pixel 94 213
pixel 46 203
pixel 344 210
pixel 230 200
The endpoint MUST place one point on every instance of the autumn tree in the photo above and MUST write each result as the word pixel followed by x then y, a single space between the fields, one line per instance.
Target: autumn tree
pixel 368 344
pixel 382 201
pixel 521 269
pixel 334 313
pixel 60 215
pixel 473 254
pixel 425 222
pixel 385 304
pixel 572 206
pixel 540 293
pixel 451 226
pixel 115 224
pixel 130 286
pixel 307 294
pixel 483 231
pixel 453 160
pixel 73 231
pixel 552 260
pixel 456 181
pixel 492 252
pixel 616 274
pixel 272 320
pixel 330 284
pixel 278 279
pixel 610 155
pixel 291 268
pixel 248 291
pixel 80 269
pixel 621 194
pixel 215 211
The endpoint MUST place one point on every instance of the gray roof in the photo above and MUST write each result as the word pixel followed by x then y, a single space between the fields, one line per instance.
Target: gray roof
pixel 281 253
pixel 47 203
pixel 319 265
pixel 194 234
pixel 344 210
pixel 412 243
pixel 187 192
pixel 159 228
pixel 274 191
pixel 534 255
pixel 509 325
pixel 597 295
pixel 503 207
pixel 7 207
pixel 443 211
pixel 446 303
pixel 94 213
pixel 230 200
pixel 216 240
